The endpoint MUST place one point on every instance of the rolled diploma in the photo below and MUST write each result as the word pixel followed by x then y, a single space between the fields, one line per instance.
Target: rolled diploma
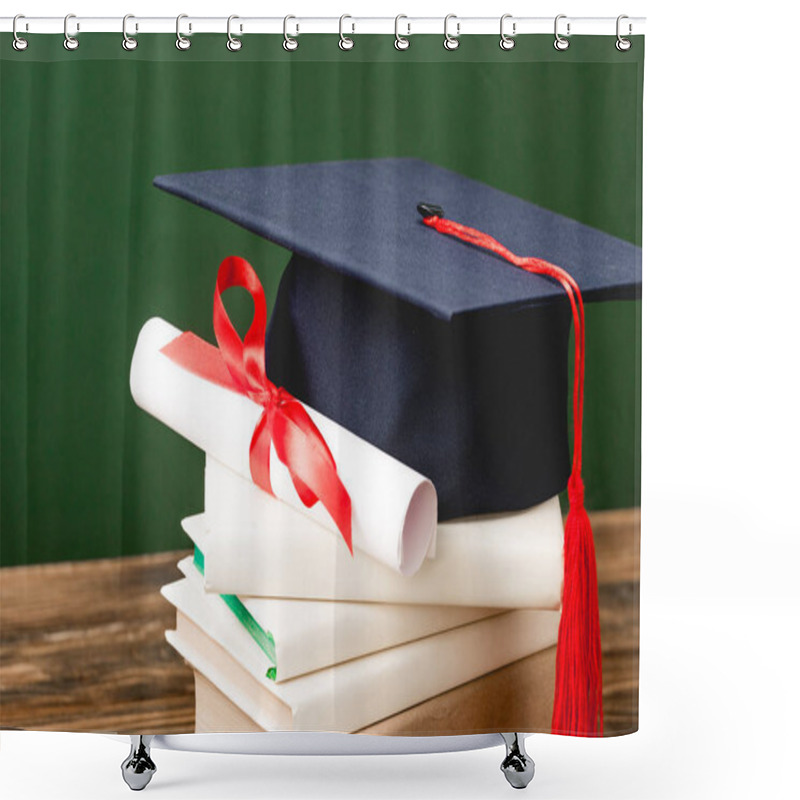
pixel 394 508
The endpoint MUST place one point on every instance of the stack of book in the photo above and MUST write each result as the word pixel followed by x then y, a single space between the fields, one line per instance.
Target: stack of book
pixel 281 641
pixel 424 628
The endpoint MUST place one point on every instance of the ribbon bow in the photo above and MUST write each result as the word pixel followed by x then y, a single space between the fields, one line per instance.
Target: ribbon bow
pixel 284 422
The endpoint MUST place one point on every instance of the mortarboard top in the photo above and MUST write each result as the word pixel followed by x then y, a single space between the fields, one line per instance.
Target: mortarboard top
pixel 440 353
pixel 359 218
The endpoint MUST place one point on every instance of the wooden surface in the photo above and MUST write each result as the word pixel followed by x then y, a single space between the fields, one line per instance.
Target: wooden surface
pixel 82 644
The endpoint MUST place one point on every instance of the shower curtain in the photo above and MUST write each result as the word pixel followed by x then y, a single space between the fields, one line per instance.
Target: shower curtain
pixel 304 423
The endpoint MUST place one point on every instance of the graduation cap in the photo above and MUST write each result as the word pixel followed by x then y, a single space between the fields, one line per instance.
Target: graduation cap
pixel 450 352
pixel 446 357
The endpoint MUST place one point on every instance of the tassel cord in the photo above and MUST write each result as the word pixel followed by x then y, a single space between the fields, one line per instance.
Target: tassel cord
pixel 538 266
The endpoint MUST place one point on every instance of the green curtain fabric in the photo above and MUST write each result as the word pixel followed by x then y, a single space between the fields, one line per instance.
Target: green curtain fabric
pixel 90 249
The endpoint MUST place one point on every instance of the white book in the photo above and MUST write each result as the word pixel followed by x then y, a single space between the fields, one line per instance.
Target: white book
pixel 514 698
pixel 294 637
pixel 351 695
pixel 256 545
pixel 215 713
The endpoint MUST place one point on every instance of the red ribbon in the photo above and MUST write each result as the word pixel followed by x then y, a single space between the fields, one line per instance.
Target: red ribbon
pixel 284 423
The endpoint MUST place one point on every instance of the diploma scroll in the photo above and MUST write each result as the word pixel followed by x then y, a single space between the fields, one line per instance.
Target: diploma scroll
pixel 394 509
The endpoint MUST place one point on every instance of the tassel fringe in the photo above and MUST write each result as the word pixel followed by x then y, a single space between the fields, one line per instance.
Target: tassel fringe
pixel 578 705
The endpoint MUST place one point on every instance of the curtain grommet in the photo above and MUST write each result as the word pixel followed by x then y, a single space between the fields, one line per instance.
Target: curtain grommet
pixel 401 42
pixel 70 42
pixel 18 43
pixel 507 42
pixel 345 42
pixel 181 41
pixel 128 42
pixel 451 42
pixel 622 44
pixel 234 43
pixel 290 43
pixel 560 42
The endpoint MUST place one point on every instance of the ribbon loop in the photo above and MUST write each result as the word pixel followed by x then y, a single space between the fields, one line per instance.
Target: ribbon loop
pixel 284 425
pixel 244 359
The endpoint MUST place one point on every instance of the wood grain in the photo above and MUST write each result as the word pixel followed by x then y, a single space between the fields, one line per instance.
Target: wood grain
pixel 82 644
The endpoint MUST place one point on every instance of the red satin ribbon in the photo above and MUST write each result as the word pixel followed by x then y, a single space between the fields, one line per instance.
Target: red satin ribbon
pixel 284 423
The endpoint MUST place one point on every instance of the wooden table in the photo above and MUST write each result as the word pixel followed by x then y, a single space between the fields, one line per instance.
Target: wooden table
pixel 82 644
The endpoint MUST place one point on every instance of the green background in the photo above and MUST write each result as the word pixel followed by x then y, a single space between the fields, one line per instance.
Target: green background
pixel 90 250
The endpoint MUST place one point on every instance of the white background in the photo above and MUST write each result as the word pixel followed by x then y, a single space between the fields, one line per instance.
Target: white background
pixel 720 704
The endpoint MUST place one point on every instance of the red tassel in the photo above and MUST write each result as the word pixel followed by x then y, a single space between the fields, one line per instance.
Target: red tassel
pixel 578 703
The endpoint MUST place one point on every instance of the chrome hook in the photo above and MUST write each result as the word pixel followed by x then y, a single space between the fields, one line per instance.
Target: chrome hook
pixel 289 42
pixel 233 43
pixel 70 42
pixel 507 42
pixel 451 42
pixel 560 42
pixel 128 42
pixel 623 44
pixel 400 42
pixel 181 42
pixel 345 42
pixel 18 43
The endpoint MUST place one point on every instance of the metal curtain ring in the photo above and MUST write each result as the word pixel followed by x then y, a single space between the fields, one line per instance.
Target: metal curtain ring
pixel 70 42
pixel 507 42
pixel 623 44
pixel 400 42
pixel 345 42
pixel 18 43
pixel 289 42
pixel 451 42
pixel 234 43
pixel 128 42
pixel 560 42
pixel 181 42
